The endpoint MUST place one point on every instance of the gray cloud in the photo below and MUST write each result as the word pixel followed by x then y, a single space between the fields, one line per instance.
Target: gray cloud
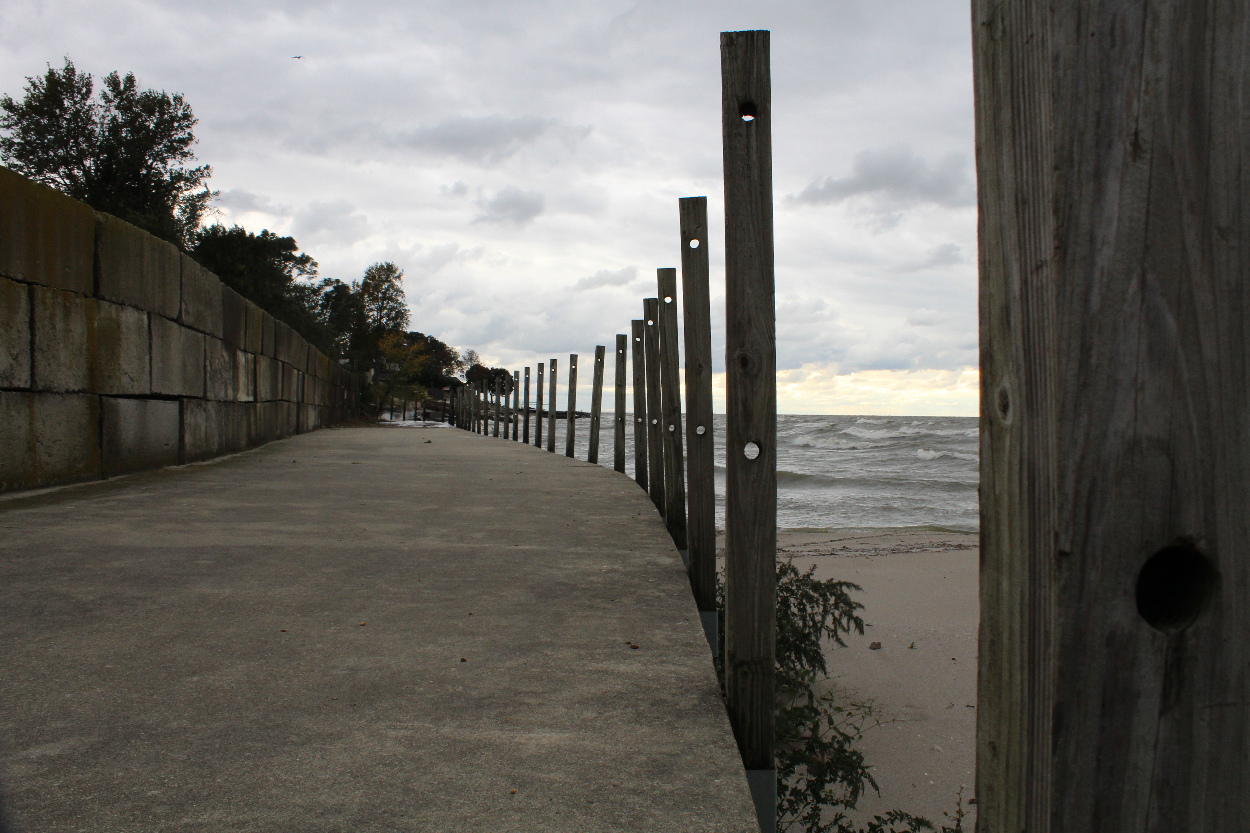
pixel 894 179
pixel 336 221
pixel 511 206
pixel 239 201
pixel 605 277
pixel 947 254
pixel 486 141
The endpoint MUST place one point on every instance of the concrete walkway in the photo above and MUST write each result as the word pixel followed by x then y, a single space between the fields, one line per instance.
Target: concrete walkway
pixel 365 629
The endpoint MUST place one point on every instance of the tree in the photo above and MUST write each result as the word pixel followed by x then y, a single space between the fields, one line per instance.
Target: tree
pixel 442 361
pixel 382 292
pixel 126 153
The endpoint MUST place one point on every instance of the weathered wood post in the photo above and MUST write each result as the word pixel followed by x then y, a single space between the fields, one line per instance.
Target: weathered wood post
pixel 538 407
pixel 655 447
pixel 570 418
pixel 551 408
pixel 596 405
pixel 618 423
pixel 516 405
pixel 498 396
pixel 1114 198
pixel 700 459
pixel 751 409
pixel 670 421
pixel 525 433
pixel 642 424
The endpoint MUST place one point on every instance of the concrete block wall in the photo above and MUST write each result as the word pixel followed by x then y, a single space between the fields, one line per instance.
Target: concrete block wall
pixel 120 353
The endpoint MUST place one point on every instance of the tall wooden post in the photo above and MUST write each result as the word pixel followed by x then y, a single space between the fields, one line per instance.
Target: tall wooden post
pixel 618 422
pixel 498 396
pixel 570 419
pixel 751 409
pixel 655 447
pixel 525 433
pixel 700 458
pixel 670 422
pixel 551 409
pixel 516 405
pixel 642 424
pixel 538 407
pixel 596 405
pixel 1114 197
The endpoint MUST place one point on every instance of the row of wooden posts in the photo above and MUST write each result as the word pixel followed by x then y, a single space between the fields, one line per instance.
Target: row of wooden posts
pixel 686 498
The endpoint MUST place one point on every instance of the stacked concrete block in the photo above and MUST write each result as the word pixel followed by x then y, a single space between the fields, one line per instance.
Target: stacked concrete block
pixel 138 434
pixel 119 353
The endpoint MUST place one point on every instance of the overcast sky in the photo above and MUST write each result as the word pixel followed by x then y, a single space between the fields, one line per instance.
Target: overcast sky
pixel 521 162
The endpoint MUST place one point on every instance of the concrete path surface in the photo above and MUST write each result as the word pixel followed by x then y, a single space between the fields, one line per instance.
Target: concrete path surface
pixel 360 629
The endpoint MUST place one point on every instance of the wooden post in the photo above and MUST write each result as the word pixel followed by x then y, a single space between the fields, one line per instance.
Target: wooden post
pixel 551 409
pixel 655 447
pixel 538 407
pixel 570 418
pixel 1113 175
pixel 751 409
pixel 700 458
pixel 618 423
pixel 498 396
pixel 516 405
pixel 596 405
pixel 525 434
pixel 642 424
pixel 670 422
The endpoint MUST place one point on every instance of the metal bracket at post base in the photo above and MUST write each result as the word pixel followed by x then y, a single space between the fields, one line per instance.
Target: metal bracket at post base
pixel 763 784
pixel 711 629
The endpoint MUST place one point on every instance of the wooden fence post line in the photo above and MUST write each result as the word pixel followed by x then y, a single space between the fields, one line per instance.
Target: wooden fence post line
pixel 700 458
pixel 570 419
pixel 596 405
pixel 751 409
pixel 642 424
pixel 551 408
pixel 618 423
pixel 655 411
pixel 538 407
pixel 525 433
pixel 670 398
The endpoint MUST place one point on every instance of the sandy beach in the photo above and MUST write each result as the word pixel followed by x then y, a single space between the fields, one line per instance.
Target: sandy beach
pixel 920 603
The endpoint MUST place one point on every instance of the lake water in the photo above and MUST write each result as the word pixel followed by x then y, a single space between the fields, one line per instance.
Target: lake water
pixel 851 471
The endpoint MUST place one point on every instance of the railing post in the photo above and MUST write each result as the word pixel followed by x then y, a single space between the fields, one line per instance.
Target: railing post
pixel 538 407
pixel 525 434
pixel 618 423
pixel 570 418
pixel 655 410
pixel 642 424
pixel 596 405
pixel 670 397
pixel 751 410
pixel 700 459
pixel 516 405
pixel 551 409
pixel 498 396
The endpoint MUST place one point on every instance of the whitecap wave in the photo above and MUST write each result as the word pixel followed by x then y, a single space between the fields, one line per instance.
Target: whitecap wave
pixel 927 454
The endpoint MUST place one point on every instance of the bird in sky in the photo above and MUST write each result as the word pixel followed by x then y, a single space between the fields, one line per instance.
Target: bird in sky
pixel 297 57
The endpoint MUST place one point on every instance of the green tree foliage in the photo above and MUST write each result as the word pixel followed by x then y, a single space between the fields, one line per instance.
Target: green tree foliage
pixel 491 375
pixel 442 363
pixel 126 152
pixel 382 292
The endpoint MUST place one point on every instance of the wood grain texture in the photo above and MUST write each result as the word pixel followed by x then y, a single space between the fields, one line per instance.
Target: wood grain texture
pixel 538 406
pixel 642 423
pixel 498 395
pixel 700 449
pixel 570 414
pixel 516 405
pixel 750 394
pixel 1114 189
pixel 618 419
pixel 655 448
pixel 525 410
pixel 672 434
pixel 596 404
pixel 551 408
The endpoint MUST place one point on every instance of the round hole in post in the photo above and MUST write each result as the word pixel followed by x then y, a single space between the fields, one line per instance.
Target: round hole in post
pixel 672 428
pixel 747 110
pixel 1174 586
pixel 700 430
pixel 751 450
pixel 650 323
pixel 655 422
pixel 668 299
pixel 694 243
pixel 638 420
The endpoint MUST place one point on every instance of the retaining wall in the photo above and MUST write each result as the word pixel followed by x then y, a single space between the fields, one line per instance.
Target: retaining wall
pixel 118 352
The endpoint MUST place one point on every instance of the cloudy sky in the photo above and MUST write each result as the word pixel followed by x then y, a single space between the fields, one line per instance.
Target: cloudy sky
pixel 521 162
